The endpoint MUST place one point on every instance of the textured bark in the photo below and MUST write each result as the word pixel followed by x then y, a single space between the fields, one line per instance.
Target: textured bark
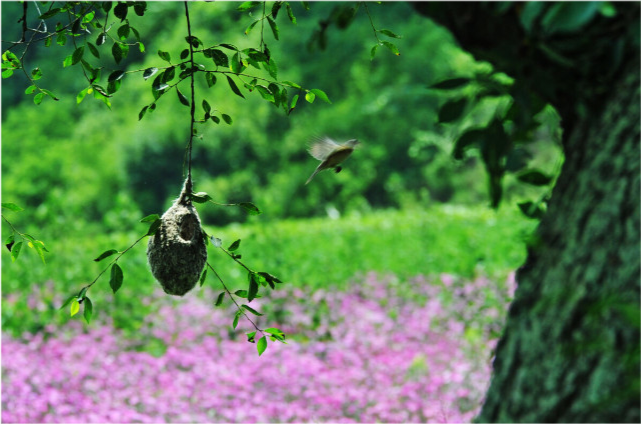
pixel 569 352
pixel 570 349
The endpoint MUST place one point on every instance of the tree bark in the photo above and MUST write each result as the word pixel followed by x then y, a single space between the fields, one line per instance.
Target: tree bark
pixel 570 348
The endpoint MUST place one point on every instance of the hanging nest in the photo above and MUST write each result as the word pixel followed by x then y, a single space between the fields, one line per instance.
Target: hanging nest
pixel 177 252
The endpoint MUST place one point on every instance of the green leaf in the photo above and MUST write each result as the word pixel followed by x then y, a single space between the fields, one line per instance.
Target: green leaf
pixel 123 32
pixel 11 206
pixel 532 210
pixel 534 177
pixel 219 58
pixel 250 208
pixel 61 40
pixel 150 218
pixel 373 52
pixel 15 251
pixel 88 312
pixel 142 112
pixel 75 307
pixel 51 13
pixel 68 61
pixel 116 278
pixel 210 78
pixel 30 89
pixel 77 55
pixel 120 11
pixel 389 33
pixel 115 76
pixel 452 110
pixel 36 74
pixel 252 310
pixel 450 84
pixel 234 246
pixel 49 93
pixel 253 286
pixel 106 254
pixel 236 316
pixel 149 72
pixel 251 26
pixel 37 99
pixel 261 345
pixel 140 7
pixel 273 26
pixel 290 14
pixel 247 5
pixel 10 241
pixel 392 47
pixel 227 119
pixel 568 17
pixel 102 38
pixel 251 337
pixel 200 197
pixel 164 56
pixel 117 52
pixel 234 87
pixel 321 95
pixel 7 73
pixel 68 301
pixel 194 41
pixel 94 51
pixel 219 299
pixel 154 227
pixel 183 99
pixel 236 66
pixel 206 106
pixel 309 96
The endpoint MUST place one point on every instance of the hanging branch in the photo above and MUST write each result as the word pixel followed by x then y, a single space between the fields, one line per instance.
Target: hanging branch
pixel 193 100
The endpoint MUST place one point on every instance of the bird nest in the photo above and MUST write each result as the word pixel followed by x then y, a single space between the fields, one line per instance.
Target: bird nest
pixel 177 252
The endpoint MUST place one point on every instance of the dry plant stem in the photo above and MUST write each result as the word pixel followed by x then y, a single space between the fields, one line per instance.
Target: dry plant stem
pixel 234 300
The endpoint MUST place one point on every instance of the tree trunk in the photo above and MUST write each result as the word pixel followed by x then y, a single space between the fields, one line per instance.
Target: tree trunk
pixel 570 349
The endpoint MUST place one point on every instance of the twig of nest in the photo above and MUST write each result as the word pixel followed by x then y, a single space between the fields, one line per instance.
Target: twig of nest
pixel 177 252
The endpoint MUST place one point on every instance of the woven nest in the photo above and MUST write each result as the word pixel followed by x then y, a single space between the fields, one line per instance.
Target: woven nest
pixel 177 252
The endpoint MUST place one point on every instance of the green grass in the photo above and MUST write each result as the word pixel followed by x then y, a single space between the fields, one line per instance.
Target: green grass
pixel 302 253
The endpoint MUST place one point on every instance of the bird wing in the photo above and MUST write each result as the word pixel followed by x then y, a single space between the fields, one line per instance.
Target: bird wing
pixel 322 147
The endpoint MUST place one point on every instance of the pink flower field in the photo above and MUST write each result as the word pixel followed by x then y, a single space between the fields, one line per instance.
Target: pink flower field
pixel 384 351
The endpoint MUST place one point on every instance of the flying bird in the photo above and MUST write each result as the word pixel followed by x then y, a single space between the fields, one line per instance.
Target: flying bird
pixel 330 153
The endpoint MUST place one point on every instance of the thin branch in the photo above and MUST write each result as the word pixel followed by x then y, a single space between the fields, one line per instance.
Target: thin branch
pixel 193 99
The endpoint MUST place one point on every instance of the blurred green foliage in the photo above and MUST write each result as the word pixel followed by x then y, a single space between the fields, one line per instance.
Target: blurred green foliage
pixel 314 253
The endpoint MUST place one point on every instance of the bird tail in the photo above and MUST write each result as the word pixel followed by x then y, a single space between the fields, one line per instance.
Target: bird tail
pixel 312 176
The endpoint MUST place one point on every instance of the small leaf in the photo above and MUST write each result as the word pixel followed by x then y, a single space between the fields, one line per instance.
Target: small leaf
pixel 117 52
pixel 532 210
pixel 234 87
pixel 36 74
pixel 120 11
pixel 373 51
pixel 88 312
pixel 150 218
pixel 149 72
pixel 94 51
pixel 309 96
pixel 250 208
pixel 116 278
pixel 389 33
pixel 452 110
pixel 10 241
pixel 200 197
pixel 219 299
pixel 234 246
pixel 183 99
pixel 392 47
pixel 15 251
pixel 154 227
pixel 227 119
pixel 203 278
pixel 261 345
pixel 321 95
pixel 106 254
pixel 251 336
pixel 142 112
pixel 236 316
pixel 37 99
pixel 290 14
pixel 164 56
pixel 247 5
pixel 51 13
pixel 11 206
pixel 450 84
pixel 206 106
pixel 252 310
pixel 68 301
pixel 75 307
pixel 219 58
pixel 102 37
pixel 211 79
pixel 253 286
pixel 68 61
pixel 535 177
pixel 115 76
pixel 273 26
pixel 251 26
